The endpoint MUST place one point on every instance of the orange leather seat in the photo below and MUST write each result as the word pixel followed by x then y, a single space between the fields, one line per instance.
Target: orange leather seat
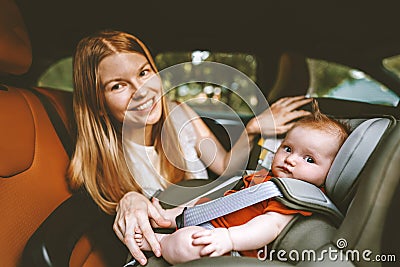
pixel 34 157
pixel 33 163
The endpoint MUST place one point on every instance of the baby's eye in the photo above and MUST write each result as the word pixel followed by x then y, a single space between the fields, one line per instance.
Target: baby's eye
pixel 309 159
pixel 287 149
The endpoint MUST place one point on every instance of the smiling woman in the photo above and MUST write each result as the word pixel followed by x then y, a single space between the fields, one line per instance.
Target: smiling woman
pixel 273 43
pixel 114 76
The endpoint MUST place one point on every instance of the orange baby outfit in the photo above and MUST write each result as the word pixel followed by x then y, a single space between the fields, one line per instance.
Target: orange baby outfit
pixel 246 214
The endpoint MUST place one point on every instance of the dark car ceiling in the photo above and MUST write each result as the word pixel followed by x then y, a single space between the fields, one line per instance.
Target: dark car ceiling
pixel 355 33
pixel 344 30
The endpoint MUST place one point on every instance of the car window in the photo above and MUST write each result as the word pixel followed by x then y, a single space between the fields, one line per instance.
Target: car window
pixel 392 64
pixel 332 80
pixel 207 97
pixel 58 75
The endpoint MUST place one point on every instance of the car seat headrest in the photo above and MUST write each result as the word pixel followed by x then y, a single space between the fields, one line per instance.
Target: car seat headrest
pixel 17 135
pixel 351 158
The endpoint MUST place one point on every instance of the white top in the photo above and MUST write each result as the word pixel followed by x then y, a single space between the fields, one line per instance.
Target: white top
pixel 144 161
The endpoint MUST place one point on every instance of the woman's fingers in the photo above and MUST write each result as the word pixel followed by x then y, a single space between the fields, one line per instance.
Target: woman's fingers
pixel 124 227
pixel 296 114
pixel 293 100
pixel 139 223
pixel 155 215
pixel 148 233
pixel 289 99
pixel 119 227
pixel 296 103
pixel 289 104
pixel 130 242
pixel 118 232
pixel 157 205
pixel 286 111
pixel 133 215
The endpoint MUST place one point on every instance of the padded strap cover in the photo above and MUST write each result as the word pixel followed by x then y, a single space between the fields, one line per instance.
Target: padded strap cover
pixel 299 194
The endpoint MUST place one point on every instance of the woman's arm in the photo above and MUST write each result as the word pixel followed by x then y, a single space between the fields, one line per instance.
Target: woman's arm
pixel 275 120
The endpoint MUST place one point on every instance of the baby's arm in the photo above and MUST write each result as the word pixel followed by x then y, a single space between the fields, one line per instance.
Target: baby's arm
pixel 254 234
pixel 176 247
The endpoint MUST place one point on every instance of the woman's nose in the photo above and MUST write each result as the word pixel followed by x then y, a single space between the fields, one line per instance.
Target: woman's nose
pixel 139 94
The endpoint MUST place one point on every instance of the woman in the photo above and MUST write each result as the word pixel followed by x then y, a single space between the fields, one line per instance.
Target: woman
pixel 114 75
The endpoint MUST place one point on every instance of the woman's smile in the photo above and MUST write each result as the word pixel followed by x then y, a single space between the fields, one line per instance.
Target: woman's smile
pixel 145 106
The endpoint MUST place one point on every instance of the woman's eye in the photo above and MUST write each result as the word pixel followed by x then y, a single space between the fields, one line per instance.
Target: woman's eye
pixel 144 73
pixel 116 87
pixel 309 160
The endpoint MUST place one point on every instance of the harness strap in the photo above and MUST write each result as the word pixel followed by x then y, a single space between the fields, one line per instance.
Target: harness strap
pixel 227 204
pixel 293 193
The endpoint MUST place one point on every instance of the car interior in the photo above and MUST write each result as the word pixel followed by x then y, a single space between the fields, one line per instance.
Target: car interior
pixel 287 48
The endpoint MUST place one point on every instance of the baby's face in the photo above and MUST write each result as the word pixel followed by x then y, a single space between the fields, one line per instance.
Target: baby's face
pixel 306 154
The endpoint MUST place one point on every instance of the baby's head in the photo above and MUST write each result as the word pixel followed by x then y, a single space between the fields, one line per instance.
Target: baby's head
pixel 309 148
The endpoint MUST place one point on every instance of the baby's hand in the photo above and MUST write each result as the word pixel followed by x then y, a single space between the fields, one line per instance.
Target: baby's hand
pixel 140 240
pixel 216 242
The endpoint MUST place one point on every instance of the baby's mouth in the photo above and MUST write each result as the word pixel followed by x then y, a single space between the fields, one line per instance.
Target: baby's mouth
pixel 285 170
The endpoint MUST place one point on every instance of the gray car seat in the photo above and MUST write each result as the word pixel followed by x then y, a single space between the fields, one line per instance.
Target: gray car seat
pixel 370 228
pixel 341 184
pixel 303 234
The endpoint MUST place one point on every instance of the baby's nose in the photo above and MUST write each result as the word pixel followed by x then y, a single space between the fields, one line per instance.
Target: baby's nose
pixel 291 160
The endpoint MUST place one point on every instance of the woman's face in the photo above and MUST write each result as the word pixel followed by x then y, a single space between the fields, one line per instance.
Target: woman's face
pixel 131 87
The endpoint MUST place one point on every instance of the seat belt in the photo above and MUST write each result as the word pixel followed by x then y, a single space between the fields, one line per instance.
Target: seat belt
pixel 291 192
pixel 227 204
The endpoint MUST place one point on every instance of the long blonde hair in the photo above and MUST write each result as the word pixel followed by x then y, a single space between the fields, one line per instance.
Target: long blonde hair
pixel 98 162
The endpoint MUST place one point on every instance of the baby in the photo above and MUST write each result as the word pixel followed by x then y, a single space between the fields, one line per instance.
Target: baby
pixel 306 153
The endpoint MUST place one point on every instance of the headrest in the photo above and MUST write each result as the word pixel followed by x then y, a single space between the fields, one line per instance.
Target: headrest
pixel 17 134
pixel 351 158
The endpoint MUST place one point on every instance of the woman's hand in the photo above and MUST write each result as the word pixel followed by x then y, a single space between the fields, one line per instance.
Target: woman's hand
pixel 134 212
pixel 168 214
pixel 278 119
